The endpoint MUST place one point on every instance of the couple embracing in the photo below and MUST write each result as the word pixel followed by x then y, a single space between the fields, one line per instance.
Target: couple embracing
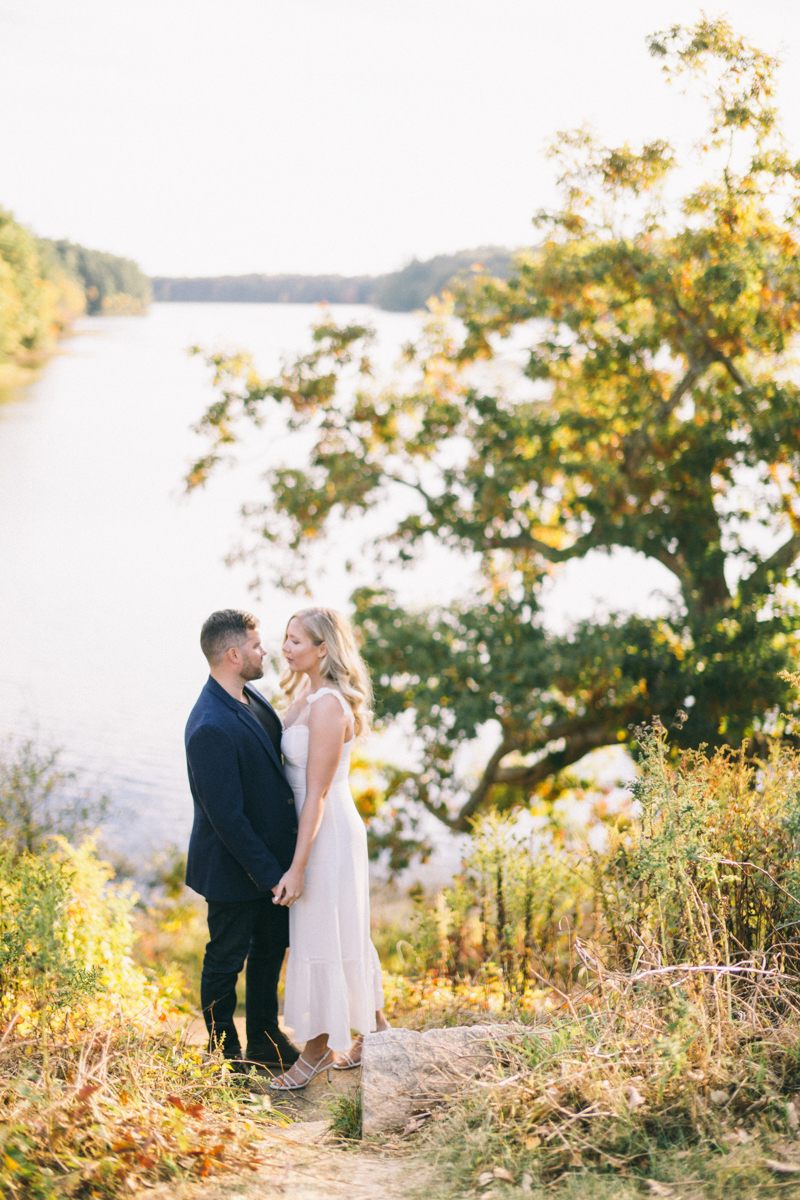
pixel 278 848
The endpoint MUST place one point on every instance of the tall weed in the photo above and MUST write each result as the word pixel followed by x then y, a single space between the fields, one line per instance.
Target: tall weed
pixel 656 985
pixel 40 799
pixel 703 868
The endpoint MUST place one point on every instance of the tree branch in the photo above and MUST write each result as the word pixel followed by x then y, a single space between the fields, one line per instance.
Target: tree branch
pixel 732 370
pixel 575 748
pixel 639 441
pixel 524 541
pixel 415 487
pixel 672 562
pixel 777 563
pixel 697 368
pixel 487 782
pixel 579 744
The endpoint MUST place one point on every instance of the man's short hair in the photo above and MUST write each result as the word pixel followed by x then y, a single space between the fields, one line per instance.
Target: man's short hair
pixel 223 629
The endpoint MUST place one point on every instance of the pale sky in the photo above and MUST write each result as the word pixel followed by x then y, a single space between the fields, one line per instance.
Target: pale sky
pixel 228 136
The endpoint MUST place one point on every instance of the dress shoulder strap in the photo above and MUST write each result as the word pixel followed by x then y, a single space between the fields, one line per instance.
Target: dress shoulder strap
pixel 348 712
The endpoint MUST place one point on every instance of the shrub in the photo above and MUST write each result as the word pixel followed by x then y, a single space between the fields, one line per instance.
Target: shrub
pixel 97 1092
pixel 40 799
pixel 663 1036
pixel 710 872
pixel 65 942
pixel 40 975
pixel 703 868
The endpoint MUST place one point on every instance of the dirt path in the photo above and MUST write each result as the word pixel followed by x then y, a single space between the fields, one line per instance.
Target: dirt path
pixel 300 1163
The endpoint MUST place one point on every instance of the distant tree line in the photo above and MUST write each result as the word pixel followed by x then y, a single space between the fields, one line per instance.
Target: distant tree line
pixel 45 285
pixel 111 284
pixel 400 291
pixel 267 289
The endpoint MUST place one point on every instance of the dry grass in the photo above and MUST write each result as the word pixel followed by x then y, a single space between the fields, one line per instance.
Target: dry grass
pixel 97 1096
pixel 104 1112
pixel 639 1083
pixel 655 1007
pixel 653 994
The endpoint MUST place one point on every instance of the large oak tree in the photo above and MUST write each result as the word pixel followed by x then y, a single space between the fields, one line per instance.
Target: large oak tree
pixel 654 409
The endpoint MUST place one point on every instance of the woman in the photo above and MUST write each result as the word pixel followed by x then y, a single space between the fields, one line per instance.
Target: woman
pixel 333 980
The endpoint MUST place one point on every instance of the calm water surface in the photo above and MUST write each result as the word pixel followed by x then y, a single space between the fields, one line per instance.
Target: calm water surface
pixel 107 571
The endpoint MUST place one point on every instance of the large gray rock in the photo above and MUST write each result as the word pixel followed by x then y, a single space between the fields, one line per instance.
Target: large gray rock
pixel 403 1071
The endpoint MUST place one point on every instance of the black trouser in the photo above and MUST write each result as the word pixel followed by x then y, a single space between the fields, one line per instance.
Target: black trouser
pixel 257 930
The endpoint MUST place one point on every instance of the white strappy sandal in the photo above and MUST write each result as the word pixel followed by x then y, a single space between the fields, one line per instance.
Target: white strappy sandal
pixel 346 1062
pixel 282 1083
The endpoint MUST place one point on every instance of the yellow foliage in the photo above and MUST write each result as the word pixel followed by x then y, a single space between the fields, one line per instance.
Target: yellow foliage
pixel 66 942
pixel 98 928
pixel 122 304
pixel 38 301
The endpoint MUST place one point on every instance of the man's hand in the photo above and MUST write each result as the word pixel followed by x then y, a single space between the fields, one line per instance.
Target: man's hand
pixel 290 887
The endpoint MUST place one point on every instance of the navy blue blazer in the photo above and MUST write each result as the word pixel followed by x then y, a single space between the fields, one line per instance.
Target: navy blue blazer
pixel 245 824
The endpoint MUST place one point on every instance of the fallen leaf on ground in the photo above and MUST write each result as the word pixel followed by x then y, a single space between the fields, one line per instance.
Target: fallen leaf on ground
pixel 739 1137
pixel 781 1168
pixel 502 1173
pixel 527 1183
pixel 659 1189
pixel 784 1151
pixel 191 1110
pixel 532 1142
pixel 791 1115
pixel 485 1178
pixel 718 1096
pixel 635 1098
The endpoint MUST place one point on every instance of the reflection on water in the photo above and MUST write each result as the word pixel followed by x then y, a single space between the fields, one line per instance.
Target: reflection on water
pixel 107 572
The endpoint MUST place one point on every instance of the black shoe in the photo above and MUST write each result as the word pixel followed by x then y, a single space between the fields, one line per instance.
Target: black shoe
pixel 275 1051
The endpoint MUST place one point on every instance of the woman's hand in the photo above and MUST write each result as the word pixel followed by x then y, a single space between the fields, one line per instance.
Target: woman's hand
pixel 290 887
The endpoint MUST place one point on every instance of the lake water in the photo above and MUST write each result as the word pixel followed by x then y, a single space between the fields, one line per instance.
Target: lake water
pixel 107 571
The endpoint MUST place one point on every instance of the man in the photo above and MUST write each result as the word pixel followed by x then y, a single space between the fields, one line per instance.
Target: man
pixel 243 839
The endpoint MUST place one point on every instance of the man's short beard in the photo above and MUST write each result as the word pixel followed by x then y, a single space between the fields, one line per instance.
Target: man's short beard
pixel 252 671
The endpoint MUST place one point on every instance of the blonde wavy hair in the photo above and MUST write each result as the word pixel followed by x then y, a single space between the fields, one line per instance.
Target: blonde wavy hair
pixel 342 666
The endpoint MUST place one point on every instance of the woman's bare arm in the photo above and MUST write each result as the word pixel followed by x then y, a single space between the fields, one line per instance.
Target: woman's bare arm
pixel 327 726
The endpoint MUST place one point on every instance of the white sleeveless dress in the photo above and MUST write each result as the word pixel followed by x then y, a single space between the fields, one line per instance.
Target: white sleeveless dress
pixel 333 978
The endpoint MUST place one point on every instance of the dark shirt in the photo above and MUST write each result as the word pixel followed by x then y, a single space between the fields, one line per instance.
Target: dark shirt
pixel 266 719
